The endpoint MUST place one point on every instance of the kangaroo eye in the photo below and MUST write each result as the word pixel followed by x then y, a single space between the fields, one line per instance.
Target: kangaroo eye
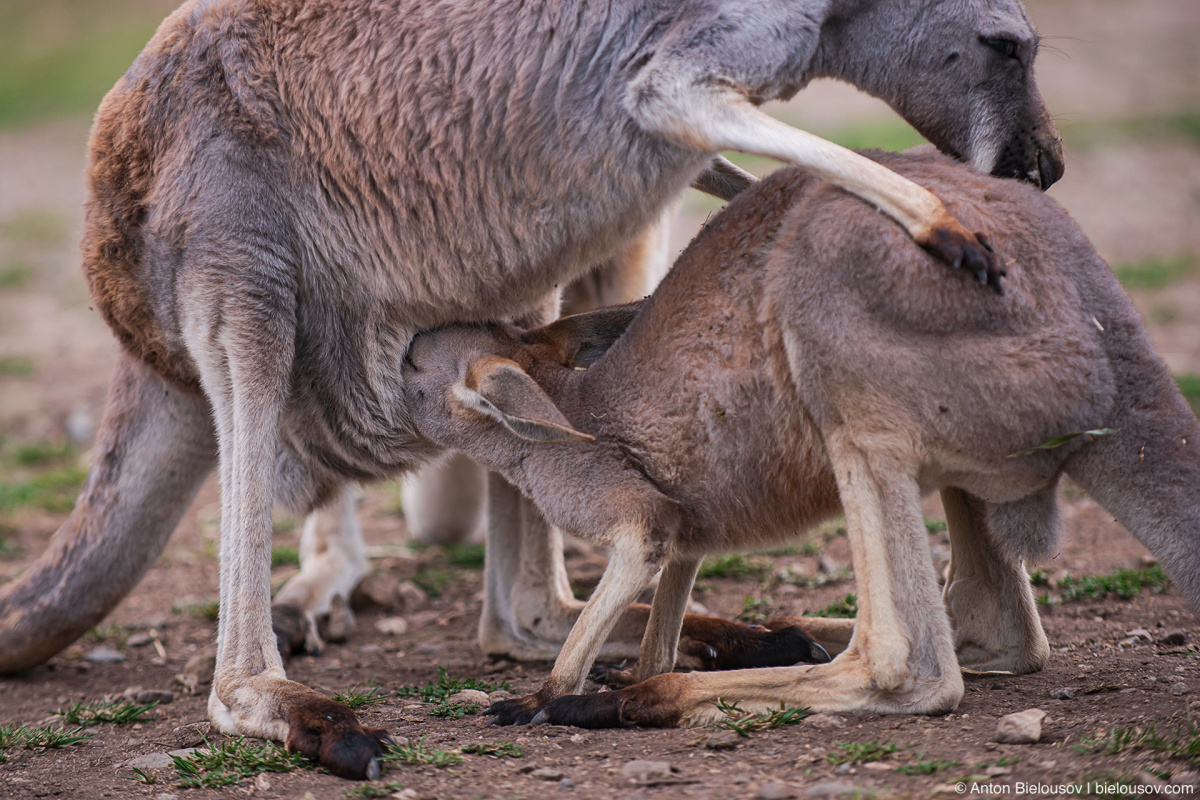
pixel 1005 47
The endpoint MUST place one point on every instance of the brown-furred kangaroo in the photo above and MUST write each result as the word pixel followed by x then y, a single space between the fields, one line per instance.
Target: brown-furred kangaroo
pixel 283 192
pixel 803 357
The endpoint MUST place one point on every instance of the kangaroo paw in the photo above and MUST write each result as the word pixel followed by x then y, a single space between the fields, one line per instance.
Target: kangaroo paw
pixel 329 734
pixel 961 249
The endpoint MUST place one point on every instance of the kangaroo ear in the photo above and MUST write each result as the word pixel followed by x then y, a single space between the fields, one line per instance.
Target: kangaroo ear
pixel 499 388
pixel 581 339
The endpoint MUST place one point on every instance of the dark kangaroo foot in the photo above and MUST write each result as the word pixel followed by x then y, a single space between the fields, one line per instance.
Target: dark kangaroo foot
pixel 517 711
pixel 719 644
pixel 329 734
pixel 649 704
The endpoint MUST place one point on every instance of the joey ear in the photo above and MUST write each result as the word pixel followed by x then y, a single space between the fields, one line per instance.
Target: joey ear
pixel 499 388
pixel 581 339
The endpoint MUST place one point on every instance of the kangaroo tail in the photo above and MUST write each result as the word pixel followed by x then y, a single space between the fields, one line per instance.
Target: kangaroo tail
pixel 155 447
pixel 1147 475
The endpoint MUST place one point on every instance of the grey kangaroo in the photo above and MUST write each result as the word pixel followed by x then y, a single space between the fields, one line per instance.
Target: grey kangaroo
pixel 803 357
pixel 281 194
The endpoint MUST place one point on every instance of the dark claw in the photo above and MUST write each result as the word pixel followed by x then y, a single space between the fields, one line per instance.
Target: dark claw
pixel 819 655
pixel 518 711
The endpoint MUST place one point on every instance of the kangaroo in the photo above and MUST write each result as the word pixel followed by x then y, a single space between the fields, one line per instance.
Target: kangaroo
pixel 528 608
pixel 803 358
pixel 282 194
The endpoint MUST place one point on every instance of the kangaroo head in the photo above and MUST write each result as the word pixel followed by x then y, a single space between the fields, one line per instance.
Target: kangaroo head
pixel 959 71
pixel 466 384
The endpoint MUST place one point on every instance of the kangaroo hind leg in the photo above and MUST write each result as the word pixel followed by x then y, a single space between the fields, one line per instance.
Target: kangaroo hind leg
pixel 239 296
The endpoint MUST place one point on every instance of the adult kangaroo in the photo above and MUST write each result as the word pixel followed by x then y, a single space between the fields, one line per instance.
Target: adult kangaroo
pixel 282 193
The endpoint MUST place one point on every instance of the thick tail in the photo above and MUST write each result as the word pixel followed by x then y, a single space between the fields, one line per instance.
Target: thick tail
pixel 155 447
pixel 1148 474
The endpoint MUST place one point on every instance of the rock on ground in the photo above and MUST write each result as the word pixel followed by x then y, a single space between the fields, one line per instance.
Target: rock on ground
pixel 1023 727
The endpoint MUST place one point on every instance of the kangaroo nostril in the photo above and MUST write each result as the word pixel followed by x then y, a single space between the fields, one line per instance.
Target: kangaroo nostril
pixel 1050 168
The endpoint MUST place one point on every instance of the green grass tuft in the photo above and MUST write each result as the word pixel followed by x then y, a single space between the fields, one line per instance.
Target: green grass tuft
pixel 117 712
pixel 38 738
pixel 440 690
pixel 926 767
pixel 366 697
pixel 449 710
pixel 846 608
pixel 862 752
pixel 233 761
pixel 209 610
pixel 755 609
pixel 733 566
pixel 1122 583
pixel 1182 742
pixel 743 723
pixel 418 753
pixel 494 749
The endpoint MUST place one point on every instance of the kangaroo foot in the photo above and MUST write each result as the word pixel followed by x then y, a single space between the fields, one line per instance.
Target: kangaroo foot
pixel 634 706
pixel 517 711
pixel 308 722
pixel 718 644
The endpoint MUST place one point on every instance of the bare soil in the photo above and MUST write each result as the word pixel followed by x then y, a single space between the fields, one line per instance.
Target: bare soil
pixel 1137 194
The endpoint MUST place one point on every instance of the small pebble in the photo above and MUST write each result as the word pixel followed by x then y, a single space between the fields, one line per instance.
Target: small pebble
pixel 427 649
pixel 104 655
pixel 470 696
pixel 392 626
pixel 566 783
pixel 1023 727
pixel 773 790
pixel 647 771
pixel 1065 693
pixel 139 640
pixel 825 721
pixel 152 762
pixel 723 740
pixel 547 774
pixel 1140 633
pixel 1179 689
pixel 160 696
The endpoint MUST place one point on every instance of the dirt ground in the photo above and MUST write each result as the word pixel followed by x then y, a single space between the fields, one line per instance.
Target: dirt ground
pixel 1124 81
